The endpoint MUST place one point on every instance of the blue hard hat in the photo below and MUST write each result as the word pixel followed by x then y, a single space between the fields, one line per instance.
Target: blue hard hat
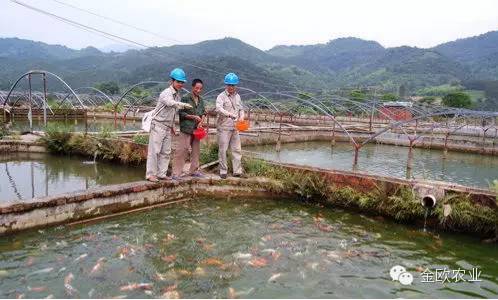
pixel 231 78
pixel 178 75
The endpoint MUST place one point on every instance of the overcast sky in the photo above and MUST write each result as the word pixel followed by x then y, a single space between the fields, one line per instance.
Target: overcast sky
pixel 262 23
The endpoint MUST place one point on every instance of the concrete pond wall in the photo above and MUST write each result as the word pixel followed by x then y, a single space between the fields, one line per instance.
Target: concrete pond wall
pixel 115 199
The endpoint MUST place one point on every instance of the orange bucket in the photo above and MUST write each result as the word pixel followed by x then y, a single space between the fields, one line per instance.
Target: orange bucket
pixel 242 125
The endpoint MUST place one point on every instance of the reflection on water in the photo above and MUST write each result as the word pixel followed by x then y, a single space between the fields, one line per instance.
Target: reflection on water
pixel 94 125
pixel 28 175
pixel 462 168
pixel 245 248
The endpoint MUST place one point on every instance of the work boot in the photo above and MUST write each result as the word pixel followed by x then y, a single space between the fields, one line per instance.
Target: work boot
pixel 197 174
pixel 223 176
pixel 152 178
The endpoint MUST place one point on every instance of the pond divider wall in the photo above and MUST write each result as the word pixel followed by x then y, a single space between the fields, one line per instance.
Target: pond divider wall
pixel 475 209
pixel 115 199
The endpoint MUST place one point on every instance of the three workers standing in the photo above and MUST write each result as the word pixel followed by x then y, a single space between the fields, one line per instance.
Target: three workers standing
pixel 192 115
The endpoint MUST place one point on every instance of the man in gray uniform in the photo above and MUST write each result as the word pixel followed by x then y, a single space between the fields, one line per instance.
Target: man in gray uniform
pixel 162 127
pixel 229 109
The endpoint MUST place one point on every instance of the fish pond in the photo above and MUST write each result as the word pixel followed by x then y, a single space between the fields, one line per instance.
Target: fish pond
pixel 212 248
pixel 28 175
pixel 467 169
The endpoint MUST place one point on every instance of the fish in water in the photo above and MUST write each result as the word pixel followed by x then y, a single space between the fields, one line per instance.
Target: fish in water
pixel 208 247
pixel 239 255
pixel 169 258
pixel 356 253
pixel 183 273
pixel 276 226
pixel 323 227
pixel 334 255
pixel 258 262
pixel 81 257
pixel 244 293
pixel 61 243
pixel 419 269
pixel 171 293
pixel 266 238
pixel 136 286
pixel 231 293
pixel 29 262
pixel 169 237
pixel 37 289
pixel 269 250
pixel 70 290
pixel 125 251
pixel 200 224
pixel 91 292
pixel 170 275
pixel 212 262
pixel 42 271
pixel 274 277
pixel 276 255
pixel 313 266
pixel 199 271
pixel 96 268
pixel 69 278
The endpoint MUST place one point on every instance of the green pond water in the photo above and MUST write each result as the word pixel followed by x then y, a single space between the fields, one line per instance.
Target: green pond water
pixel 210 248
pixel 94 125
pixel 463 168
pixel 27 175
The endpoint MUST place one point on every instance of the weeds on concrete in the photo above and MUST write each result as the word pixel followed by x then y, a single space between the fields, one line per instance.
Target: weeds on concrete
pixel 209 153
pixel 141 139
pixel 59 139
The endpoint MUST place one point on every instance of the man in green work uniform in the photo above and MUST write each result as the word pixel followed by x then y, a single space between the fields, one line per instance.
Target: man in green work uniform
pixel 190 119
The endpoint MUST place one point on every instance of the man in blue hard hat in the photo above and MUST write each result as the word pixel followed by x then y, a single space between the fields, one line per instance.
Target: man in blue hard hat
pixel 162 127
pixel 229 109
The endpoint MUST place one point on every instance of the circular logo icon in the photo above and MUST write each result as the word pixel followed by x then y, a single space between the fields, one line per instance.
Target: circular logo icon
pixel 396 271
pixel 405 278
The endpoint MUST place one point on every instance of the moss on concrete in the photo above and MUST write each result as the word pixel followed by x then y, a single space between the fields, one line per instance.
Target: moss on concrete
pixel 401 204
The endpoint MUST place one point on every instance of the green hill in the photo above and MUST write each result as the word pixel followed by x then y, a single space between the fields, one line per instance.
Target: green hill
pixel 344 62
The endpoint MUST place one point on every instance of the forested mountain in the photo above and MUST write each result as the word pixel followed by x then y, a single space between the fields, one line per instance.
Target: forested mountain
pixel 343 62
